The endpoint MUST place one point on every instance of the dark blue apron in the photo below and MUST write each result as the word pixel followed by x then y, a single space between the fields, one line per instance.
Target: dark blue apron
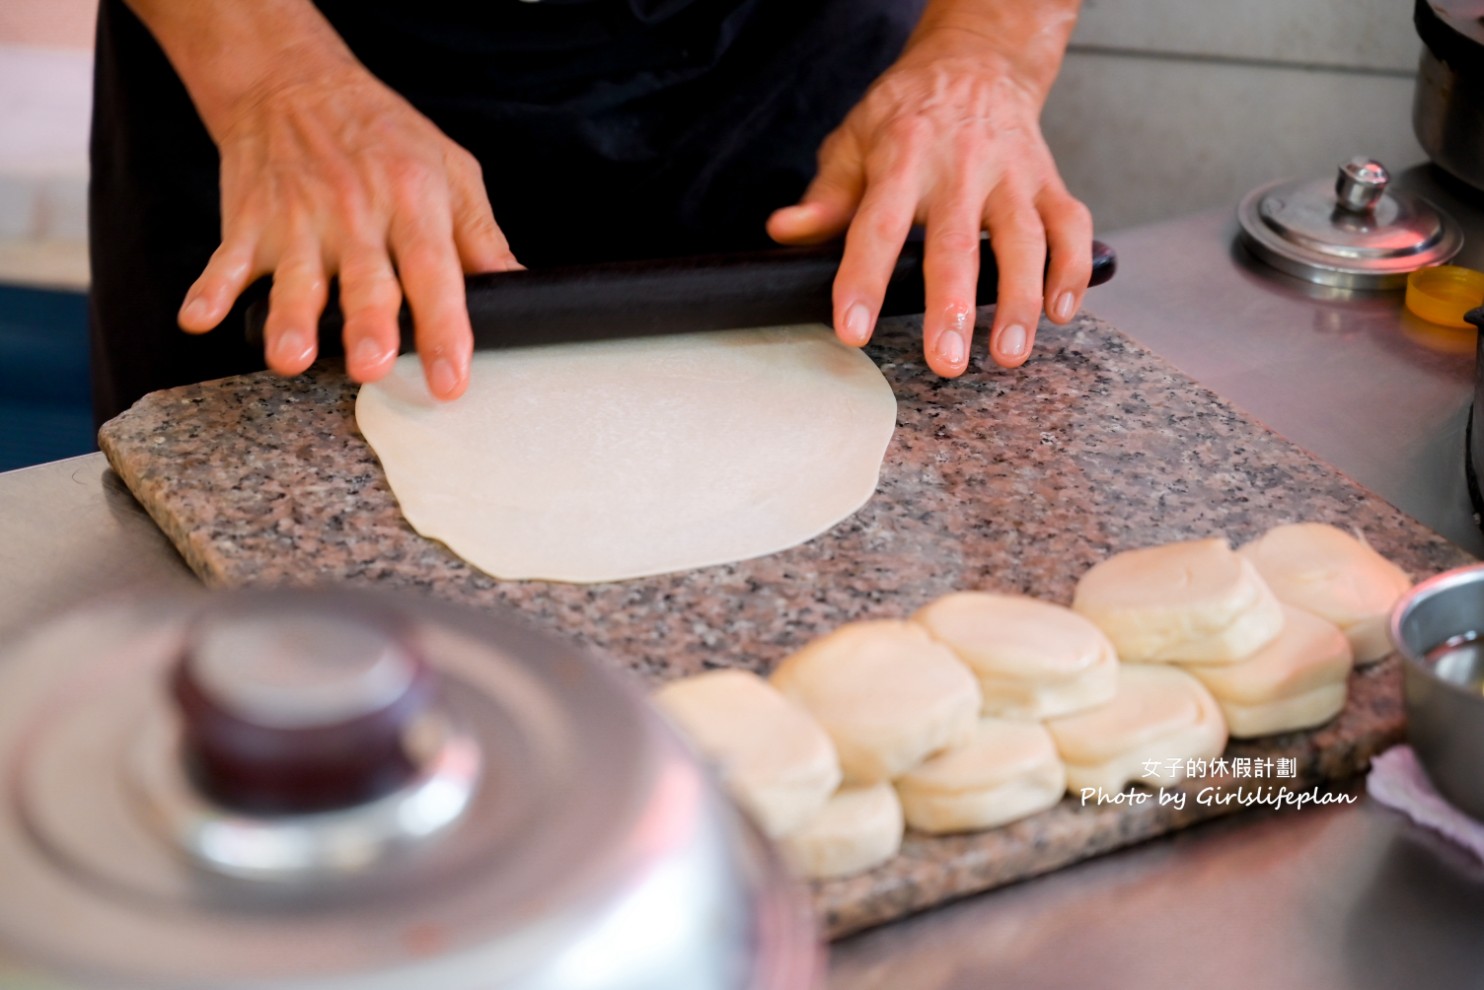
pixel 606 130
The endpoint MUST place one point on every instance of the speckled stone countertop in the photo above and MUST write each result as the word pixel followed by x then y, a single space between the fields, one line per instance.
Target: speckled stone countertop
pixel 1002 480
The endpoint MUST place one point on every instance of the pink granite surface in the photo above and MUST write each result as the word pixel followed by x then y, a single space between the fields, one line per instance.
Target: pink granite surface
pixel 1001 480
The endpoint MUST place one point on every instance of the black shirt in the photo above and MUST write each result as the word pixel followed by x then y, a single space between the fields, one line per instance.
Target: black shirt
pixel 606 129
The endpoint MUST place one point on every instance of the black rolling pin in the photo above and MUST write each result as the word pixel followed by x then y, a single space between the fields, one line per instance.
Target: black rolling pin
pixel 671 295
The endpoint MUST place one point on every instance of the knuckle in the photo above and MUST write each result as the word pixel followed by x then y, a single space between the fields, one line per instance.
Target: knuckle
pixel 370 289
pixel 1078 213
pixel 297 286
pixel 381 297
pixel 417 255
pixel 296 273
pixel 1022 227
pixel 350 204
pixel 882 226
pixel 967 145
pixel 828 149
pixel 409 175
pixel 481 224
pixel 956 241
pixel 1068 212
pixel 465 164
pixel 908 129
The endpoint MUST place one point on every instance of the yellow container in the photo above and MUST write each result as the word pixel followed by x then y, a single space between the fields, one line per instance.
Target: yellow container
pixel 1442 294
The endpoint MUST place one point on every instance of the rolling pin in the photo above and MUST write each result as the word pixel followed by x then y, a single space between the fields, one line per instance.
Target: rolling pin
pixel 561 305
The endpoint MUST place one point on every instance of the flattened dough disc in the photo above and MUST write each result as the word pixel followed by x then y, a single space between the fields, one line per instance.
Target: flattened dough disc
pixel 602 462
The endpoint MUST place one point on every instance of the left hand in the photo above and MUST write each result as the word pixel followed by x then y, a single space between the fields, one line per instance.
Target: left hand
pixel 949 137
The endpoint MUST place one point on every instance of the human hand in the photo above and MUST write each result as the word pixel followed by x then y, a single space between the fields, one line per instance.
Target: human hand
pixel 325 171
pixel 949 137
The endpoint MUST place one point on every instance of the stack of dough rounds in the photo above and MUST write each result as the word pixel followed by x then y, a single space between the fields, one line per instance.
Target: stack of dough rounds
pixel 1009 770
pixel 887 693
pixel 860 827
pixel 1161 714
pixel 1033 659
pixel 1295 682
pixel 1197 602
pixel 773 757
pixel 1325 570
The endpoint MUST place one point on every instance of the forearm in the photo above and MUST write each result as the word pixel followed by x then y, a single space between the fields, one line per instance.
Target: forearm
pixel 228 53
pixel 1030 36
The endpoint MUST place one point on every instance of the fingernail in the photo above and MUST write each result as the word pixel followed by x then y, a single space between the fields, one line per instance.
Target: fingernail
pixel 1012 341
pixel 951 347
pixel 368 353
pixel 443 377
pixel 292 348
pixel 857 323
pixel 1064 306
pixel 194 310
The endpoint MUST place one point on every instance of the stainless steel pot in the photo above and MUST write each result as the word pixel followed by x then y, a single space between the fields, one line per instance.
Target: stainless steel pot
pixel 1448 106
pixel 1438 628
pixel 319 789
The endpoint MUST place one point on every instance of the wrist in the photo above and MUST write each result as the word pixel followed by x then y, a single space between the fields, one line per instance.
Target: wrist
pixel 231 55
pixel 1026 39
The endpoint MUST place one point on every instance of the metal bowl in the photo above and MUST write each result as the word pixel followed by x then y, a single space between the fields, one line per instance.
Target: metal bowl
pixel 549 830
pixel 1438 628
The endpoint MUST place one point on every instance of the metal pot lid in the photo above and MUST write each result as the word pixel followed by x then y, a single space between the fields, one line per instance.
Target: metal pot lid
pixel 1353 232
pixel 195 800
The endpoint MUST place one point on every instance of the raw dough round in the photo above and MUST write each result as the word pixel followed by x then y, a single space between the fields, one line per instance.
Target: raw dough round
pixel 1033 659
pixel 1009 770
pixel 860 827
pixel 773 757
pixel 887 693
pixel 1197 601
pixel 602 462
pixel 1161 715
pixel 1327 571
pixel 1297 681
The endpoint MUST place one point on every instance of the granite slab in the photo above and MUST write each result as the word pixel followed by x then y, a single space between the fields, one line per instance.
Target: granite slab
pixel 1001 480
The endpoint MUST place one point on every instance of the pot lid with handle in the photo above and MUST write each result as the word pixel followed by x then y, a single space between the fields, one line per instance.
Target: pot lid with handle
pixel 1352 232
pixel 327 789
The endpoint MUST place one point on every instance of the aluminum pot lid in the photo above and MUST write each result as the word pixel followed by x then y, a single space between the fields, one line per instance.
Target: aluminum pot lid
pixel 1352 232
pixel 197 797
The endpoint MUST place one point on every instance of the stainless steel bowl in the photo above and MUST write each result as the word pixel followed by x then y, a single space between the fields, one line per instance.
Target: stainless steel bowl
pixel 173 814
pixel 1438 628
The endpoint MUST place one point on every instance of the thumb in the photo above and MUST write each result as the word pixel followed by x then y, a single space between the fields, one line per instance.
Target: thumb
pixel 830 201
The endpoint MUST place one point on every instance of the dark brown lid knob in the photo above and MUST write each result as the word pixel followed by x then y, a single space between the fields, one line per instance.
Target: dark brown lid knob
pixel 295 710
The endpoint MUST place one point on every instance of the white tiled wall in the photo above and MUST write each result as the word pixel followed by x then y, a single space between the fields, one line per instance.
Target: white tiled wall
pixel 46 83
pixel 1165 107
pixel 1357 34
pixel 48 23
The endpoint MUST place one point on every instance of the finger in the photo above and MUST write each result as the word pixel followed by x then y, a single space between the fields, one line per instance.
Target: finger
pixel 831 199
pixel 1069 240
pixel 433 280
pixel 370 298
pixel 1019 243
pixel 295 303
pixel 480 242
pixel 226 274
pixel 872 245
pixel 950 269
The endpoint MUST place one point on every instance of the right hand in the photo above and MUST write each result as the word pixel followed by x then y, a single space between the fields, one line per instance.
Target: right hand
pixel 332 173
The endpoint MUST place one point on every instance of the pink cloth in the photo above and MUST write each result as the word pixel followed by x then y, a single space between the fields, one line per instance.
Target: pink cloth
pixel 1398 781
